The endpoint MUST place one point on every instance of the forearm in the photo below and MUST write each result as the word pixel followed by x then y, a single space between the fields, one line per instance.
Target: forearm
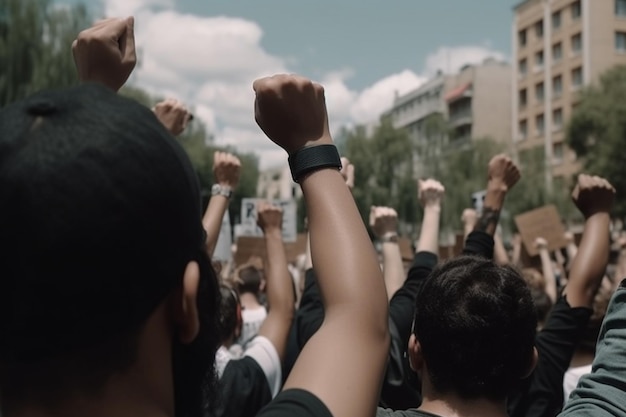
pixel 590 262
pixel 494 201
pixel 393 269
pixel 499 252
pixel 279 287
pixel 571 249
pixel 212 221
pixel 548 274
pixel 429 235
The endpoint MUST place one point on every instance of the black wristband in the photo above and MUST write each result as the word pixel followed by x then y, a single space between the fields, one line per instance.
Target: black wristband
pixel 313 158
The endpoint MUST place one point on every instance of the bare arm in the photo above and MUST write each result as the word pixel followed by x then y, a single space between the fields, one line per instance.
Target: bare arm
pixel 594 198
pixel 502 176
pixel 499 252
pixel 226 168
pixel 469 219
pixel 279 287
pixel 344 362
pixel 546 266
pixel 384 224
pixel 430 193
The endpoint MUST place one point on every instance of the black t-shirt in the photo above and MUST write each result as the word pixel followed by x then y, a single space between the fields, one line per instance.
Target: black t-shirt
pixel 541 395
pixel 295 403
pixel 385 412
pixel 243 389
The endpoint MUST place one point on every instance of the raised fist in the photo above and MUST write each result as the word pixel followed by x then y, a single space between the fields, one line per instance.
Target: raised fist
pixel 430 192
pixel 347 172
pixel 503 172
pixel 593 195
pixel 269 217
pixel 469 217
pixel 173 115
pixel 226 168
pixel 291 110
pixel 569 237
pixel 105 53
pixel 540 244
pixel 383 221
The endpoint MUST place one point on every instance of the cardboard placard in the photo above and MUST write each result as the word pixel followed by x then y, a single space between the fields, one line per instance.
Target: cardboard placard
pixel 249 227
pixel 543 222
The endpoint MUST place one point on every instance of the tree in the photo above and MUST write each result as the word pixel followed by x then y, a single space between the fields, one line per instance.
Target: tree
pixel 597 130
pixel 35 46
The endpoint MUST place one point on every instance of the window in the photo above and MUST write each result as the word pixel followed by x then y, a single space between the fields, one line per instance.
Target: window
pixel 577 77
pixel 523 98
pixel 557 86
pixel 523 67
pixel 577 43
pixel 523 130
pixel 576 10
pixel 556 20
pixel 557 119
pixel 539 93
pixel 539 125
pixel 620 8
pixel 522 38
pixel 557 52
pixel 620 41
pixel 539 29
pixel 558 150
pixel 539 60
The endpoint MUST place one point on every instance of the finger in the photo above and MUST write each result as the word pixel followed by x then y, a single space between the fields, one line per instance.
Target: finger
pixel 129 52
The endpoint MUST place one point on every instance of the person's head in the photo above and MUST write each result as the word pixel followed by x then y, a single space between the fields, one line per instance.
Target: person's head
pixel 250 280
pixel 230 319
pixel 474 329
pixel 102 253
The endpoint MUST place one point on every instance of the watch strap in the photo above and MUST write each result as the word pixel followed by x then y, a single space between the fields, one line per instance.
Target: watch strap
pixel 313 158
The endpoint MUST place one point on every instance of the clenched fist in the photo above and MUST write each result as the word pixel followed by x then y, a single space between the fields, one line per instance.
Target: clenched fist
pixel 593 195
pixel 430 192
pixel 173 115
pixel 347 172
pixel 227 169
pixel 291 110
pixel 469 217
pixel 383 221
pixel 269 217
pixel 503 172
pixel 105 53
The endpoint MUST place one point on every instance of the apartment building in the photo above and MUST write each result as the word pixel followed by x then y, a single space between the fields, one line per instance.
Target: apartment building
pixel 560 46
pixel 471 104
pixel 277 184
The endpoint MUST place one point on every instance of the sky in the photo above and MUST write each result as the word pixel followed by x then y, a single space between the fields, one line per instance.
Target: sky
pixel 207 53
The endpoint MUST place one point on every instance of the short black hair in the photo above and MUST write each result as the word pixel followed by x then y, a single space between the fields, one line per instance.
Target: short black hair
pixel 100 213
pixel 249 280
pixel 476 324
pixel 230 312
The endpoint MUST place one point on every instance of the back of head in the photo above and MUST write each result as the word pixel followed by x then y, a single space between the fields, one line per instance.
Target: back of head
pixel 249 280
pixel 230 313
pixel 99 215
pixel 476 325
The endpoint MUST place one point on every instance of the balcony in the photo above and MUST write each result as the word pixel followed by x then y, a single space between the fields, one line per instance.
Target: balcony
pixel 461 118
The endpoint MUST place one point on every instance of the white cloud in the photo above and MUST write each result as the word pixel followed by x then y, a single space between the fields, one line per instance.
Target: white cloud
pixel 211 62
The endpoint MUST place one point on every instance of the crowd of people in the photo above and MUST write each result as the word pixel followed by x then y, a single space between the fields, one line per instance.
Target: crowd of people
pixel 110 304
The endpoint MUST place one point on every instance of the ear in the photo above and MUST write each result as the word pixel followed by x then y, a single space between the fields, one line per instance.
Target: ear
pixel 186 305
pixel 533 363
pixel 416 359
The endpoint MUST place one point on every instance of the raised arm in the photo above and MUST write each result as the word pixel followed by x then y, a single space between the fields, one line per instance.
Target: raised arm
pixel 105 53
pixel 594 198
pixel 546 266
pixel 343 363
pixel 279 287
pixel 384 224
pixel 430 194
pixel 469 219
pixel 226 168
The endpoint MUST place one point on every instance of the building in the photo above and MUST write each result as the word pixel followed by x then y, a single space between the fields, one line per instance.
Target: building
pixel 452 109
pixel 277 184
pixel 560 46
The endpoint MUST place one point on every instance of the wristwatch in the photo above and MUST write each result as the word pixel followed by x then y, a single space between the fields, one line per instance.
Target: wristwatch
pixel 222 190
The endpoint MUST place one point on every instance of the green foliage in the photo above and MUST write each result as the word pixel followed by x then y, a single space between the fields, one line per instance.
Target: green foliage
pixel 597 130
pixel 35 46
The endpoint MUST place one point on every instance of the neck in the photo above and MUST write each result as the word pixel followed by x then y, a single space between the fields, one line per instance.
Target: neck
pixel 451 405
pixel 249 301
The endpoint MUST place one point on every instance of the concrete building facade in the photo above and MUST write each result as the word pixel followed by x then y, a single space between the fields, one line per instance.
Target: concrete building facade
pixel 559 46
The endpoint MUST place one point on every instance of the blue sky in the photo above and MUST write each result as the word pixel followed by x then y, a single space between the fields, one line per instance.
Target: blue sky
pixel 207 52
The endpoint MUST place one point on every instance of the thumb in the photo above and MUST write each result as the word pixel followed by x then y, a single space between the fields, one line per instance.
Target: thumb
pixel 129 53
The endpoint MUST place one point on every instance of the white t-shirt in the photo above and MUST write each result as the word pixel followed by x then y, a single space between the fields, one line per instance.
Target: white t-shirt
pixel 252 321
pixel 263 352
pixel 570 380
